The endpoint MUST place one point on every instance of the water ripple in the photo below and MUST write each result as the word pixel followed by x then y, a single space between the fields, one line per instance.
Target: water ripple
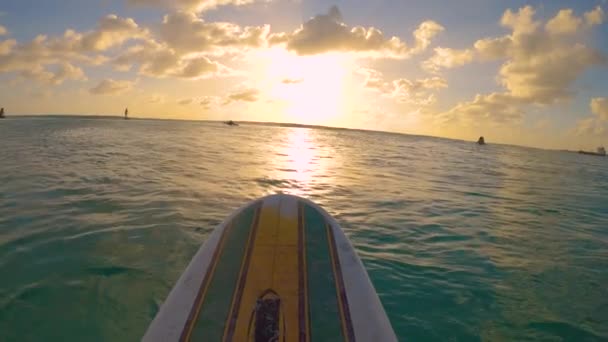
pixel 462 242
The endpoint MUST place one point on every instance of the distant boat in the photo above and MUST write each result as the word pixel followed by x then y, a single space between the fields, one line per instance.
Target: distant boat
pixel 126 113
pixel 231 123
pixel 2 113
pixel 481 141
pixel 601 151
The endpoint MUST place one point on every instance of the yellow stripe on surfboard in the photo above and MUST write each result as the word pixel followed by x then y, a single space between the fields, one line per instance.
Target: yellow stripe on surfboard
pixel 273 265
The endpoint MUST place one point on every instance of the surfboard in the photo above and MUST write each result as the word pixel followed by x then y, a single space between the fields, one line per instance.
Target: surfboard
pixel 278 269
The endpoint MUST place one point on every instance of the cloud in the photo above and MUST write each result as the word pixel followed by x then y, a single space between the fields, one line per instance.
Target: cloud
pixel 158 60
pixel 424 34
pixel 111 30
pixel 110 86
pixel 595 16
pixel 64 71
pixel 418 85
pixel 599 107
pixel 186 32
pixel 565 22
pixel 521 22
pixel 528 44
pixel 43 51
pixel 208 101
pixel 445 58
pixel 375 80
pixel 198 67
pixel 184 102
pixel 191 5
pixel 541 63
pixel 3 30
pixel 156 99
pixel 328 33
pixel 494 108
pixel 292 81
pixel 32 58
pixel 597 123
pixel 179 48
pixel 6 46
pixel 416 92
pixel 246 95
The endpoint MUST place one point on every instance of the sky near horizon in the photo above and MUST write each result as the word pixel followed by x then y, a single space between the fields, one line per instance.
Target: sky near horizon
pixel 520 72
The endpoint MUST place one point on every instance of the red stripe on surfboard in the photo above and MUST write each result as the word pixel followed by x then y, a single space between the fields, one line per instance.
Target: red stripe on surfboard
pixel 303 312
pixel 198 302
pixel 236 302
pixel 345 312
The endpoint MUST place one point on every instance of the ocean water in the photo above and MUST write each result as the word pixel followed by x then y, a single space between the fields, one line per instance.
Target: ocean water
pixel 99 217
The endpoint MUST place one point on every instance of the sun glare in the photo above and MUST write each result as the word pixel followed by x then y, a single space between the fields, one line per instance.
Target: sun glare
pixel 312 88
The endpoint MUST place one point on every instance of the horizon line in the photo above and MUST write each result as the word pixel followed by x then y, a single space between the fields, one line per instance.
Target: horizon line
pixel 276 124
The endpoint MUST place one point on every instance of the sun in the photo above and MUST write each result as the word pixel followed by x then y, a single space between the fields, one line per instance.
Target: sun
pixel 312 88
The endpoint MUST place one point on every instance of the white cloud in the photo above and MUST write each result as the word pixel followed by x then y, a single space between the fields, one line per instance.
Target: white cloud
pixel 34 58
pixel 184 43
pixel 110 86
pixel 64 71
pixel 521 22
pixel 157 98
pixel 417 92
pixel 246 95
pixel 6 46
pixel 492 108
pixel 425 83
pixel 597 123
pixel 595 16
pixel 540 64
pixel 291 81
pixel 3 30
pixel 186 32
pixel 599 107
pixel 424 34
pixel 158 60
pixel 327 32
pixel 445 58
pixel 111 30
pixel 565 22
pixel 192 5
pixel 208 101
pixel 493 48
pixel 198 67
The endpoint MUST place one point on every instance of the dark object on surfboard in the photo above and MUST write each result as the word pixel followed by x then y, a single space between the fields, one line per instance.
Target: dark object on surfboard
pixel 278 269
pixel 481 141
pixel 266 318
pixel 601 152
pixel 2 113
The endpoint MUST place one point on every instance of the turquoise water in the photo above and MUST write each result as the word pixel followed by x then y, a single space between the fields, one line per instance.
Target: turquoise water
pixel 99 217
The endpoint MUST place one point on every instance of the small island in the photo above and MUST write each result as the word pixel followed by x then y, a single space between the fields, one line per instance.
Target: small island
pixel 231 123
pixel 600 152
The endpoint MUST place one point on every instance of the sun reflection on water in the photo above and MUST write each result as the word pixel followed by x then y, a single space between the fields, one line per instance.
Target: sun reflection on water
pixel 300 162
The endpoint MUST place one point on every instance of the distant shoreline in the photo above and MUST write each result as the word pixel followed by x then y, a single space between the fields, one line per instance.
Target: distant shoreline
pixel 269 124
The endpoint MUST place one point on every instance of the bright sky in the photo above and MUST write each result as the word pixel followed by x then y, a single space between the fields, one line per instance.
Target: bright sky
pixel 521 72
